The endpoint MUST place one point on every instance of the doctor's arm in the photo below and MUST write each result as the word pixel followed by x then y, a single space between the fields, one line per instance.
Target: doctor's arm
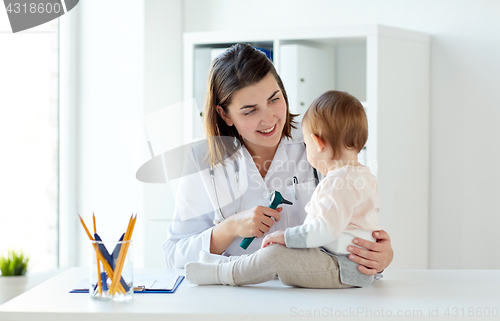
pixel 185 240
pixel 253 222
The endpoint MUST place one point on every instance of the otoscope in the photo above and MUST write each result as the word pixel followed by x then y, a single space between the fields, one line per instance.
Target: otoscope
pixel 275 200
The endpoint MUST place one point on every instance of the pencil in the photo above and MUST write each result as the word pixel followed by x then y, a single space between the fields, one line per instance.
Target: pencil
pixel 85 227
pixel 121 256
pixel 123 252
pixel 99 286
pixel 105 264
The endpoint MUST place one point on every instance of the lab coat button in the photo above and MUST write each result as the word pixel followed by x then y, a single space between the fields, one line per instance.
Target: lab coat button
pixel 266 195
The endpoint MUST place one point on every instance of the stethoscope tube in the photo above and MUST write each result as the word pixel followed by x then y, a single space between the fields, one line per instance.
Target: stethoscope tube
pixel 211 170
pixel 235 199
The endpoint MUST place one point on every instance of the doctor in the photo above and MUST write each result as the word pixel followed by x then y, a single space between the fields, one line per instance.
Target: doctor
pixel 254 148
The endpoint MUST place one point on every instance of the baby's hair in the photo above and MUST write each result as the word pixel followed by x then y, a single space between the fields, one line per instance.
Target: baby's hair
pixel 339 119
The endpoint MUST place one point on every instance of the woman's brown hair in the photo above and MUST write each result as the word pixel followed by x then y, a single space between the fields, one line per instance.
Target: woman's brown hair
pixel 339 119
pixel 238 67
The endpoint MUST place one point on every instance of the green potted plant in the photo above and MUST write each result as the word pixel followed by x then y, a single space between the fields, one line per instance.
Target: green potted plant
pixel 14 264
pixel 13 280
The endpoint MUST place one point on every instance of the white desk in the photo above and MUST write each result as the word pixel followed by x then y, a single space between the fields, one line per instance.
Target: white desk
pixel 411 292
pixel 11 289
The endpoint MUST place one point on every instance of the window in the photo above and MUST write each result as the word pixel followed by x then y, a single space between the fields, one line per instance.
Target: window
pixel 29 127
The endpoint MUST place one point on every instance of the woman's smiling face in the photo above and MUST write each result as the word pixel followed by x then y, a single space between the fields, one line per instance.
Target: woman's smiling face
pixel 259 113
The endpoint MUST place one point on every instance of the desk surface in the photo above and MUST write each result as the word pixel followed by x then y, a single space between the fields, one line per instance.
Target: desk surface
pixel 409 294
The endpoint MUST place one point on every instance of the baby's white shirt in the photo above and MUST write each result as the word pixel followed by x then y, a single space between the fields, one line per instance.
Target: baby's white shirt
pixel 343 206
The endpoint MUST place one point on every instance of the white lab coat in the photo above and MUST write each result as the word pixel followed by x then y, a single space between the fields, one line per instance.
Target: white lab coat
pixel 196 205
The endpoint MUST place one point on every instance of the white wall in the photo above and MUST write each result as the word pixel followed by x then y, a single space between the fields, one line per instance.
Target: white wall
pixel 110 98
pixel 465 114
pixel 129 64
pixel 163 87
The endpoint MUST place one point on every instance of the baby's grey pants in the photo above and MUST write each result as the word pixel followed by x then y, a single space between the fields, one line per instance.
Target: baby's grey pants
pixel 308 268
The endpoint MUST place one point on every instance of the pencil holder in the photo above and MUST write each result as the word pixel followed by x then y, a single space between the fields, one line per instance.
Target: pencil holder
pixel 111 270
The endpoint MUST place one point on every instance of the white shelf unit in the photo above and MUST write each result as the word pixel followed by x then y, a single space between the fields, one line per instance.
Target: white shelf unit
pixel 388 70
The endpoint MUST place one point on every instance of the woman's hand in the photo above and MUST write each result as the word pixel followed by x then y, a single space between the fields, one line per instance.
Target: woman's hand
pixel 255 222
pixel 276 237
pixel 376 257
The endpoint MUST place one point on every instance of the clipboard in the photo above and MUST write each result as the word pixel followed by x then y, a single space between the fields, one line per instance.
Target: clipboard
pixel 179 280
pixel 145 289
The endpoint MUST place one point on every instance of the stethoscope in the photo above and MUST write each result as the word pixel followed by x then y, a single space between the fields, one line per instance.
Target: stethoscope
pixel 235 199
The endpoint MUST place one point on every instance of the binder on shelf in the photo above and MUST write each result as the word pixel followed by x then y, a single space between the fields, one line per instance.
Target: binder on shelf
pixel 268 52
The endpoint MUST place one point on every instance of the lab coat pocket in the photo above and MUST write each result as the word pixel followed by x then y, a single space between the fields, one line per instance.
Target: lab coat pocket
pixel 299 195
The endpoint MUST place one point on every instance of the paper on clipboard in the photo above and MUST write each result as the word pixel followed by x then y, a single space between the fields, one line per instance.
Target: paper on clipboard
pixel 142 282
pixel 157 282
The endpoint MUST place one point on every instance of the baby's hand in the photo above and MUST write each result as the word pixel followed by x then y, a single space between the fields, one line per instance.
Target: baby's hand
pixel 276 237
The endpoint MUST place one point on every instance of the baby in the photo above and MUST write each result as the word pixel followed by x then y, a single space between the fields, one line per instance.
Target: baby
pixel 343 206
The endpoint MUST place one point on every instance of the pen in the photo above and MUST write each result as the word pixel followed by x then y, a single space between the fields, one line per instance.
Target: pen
pixel 110 258
pixel 295 182
pixel 116 251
